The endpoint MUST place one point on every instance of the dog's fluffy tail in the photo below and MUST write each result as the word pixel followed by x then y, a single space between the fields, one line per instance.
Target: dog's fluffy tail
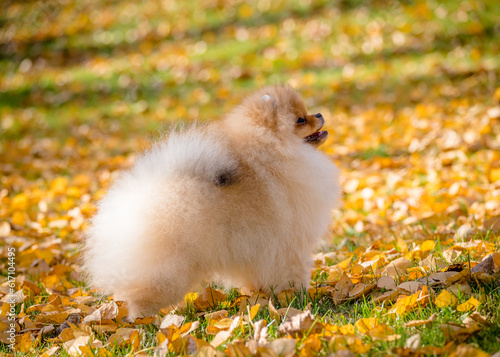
pixel 131 235
pixel 194 153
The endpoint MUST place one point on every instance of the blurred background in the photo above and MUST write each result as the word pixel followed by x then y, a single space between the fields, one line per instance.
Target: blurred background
pixel 410 90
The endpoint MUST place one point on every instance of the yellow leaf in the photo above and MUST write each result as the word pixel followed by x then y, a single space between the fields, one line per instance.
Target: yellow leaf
pixel 445 299
pixel 358 346
pixel 365 325
pixel 253 311
pixel 496 95
pixel 428 245
pixel 347 329
pixel 344 264
pixel 190 297
pixel 401 245
pixel 210 298
pixel 24 343
pixel 59 185
pixel 470 304
pixel 20 202
pixel 160 337
pixel 285 297
pixel 245 11
pixel 383 332
pixel 494 175
pixel 19 218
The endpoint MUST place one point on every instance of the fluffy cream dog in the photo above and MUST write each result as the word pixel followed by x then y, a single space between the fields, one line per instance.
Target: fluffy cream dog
pixel 243 201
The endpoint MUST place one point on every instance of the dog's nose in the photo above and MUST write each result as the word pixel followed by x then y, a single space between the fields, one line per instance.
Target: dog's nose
pixel 319 116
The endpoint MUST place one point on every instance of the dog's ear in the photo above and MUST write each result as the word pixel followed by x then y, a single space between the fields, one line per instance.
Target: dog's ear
pixel 268 110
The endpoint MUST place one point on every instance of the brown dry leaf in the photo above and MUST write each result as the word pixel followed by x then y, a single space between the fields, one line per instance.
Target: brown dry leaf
pixel 210 298
pixel 451 255
pixel 284 347
pixel 72 318
pixel 386 282
pixel 477 317
pixel 414 342
pixel 468 351
pixel 55 317
pixel 107 311
pixel 486 266
pixel 492 224
pixel 460 288
pixel 215 316
pixel 51 351
pixel 222 336
pixel 301 324
pixel 496 259
pixel 288 312
pixel 317 292
pixel 125 336
pixel 285 297
pixel 334 273
pixel 72 347
pixel 237 349
pixel 260 332
pixel 15 298
pixel 439 278
pixel 416 323
pixel 172 319
pixel 459 277
pixel 387 296
pixel 221 325
pixel 275 315
pixel 361 290
pixel 454 331
pixel 397 267
pixel 410 287
pixel 105 326
pixel 342 289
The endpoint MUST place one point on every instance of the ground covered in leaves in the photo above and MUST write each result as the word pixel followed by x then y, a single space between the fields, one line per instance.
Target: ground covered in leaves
pixel 411 94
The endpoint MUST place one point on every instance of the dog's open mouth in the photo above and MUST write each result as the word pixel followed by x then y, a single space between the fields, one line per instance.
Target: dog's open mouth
pixel 317 138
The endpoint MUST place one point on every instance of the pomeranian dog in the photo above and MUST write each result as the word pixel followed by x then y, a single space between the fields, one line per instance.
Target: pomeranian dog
pixel 243 201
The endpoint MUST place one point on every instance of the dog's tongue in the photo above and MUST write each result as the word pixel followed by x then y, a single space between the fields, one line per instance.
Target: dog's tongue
pixel 313 136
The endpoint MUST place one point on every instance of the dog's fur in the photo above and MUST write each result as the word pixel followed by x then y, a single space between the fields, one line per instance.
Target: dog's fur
pixel 243 201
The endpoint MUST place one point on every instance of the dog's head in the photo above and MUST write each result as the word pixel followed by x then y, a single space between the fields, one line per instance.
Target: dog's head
pixel 282 110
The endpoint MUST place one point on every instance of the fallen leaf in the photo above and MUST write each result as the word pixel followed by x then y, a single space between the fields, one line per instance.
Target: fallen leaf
pixel 415 323
pixel 172 319
pixel 470 304
pixel 301 324
pixel 397 267
pixel 413 342
pixel 107 311
pixel 386 282
pixel 445 299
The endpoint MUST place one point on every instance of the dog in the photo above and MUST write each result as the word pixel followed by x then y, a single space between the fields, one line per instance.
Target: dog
pixel 242 201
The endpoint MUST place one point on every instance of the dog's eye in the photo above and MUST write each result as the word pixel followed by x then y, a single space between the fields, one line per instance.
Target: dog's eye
pixel 301 121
